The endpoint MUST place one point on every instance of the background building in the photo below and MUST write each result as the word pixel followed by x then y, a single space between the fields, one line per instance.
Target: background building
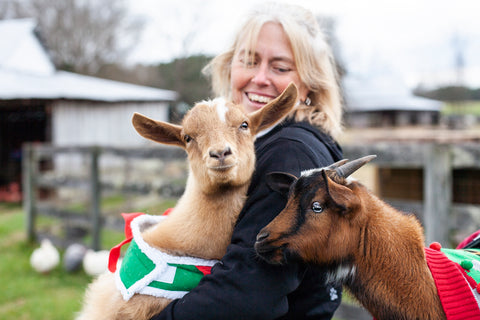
pixel 40 104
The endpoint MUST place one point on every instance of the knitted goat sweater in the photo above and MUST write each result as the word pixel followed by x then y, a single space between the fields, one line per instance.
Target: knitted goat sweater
pixel 457 275
pixel 147 270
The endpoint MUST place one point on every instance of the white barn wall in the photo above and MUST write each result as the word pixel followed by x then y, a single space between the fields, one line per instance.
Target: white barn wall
pixel 104 124
pixel 77 123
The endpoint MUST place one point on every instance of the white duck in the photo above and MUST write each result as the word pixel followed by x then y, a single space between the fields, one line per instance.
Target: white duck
pixel 45 258
pixel 95 262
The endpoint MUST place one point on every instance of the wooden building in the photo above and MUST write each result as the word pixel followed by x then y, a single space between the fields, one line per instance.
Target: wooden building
pixel 386 103
pixel 40 104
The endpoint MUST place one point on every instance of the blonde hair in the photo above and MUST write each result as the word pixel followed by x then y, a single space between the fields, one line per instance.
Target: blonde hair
pixel 313 58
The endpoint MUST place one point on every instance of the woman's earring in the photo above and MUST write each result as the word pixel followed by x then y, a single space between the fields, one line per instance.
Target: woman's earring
pixel 308 101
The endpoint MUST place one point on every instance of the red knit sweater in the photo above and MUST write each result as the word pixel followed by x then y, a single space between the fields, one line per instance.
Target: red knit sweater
pixel 456 289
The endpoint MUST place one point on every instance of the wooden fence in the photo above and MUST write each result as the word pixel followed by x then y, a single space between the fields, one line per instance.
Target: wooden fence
pixel 437 212
pixel 33 181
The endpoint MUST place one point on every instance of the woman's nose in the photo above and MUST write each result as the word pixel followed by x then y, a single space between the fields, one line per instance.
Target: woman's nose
pixel 261 76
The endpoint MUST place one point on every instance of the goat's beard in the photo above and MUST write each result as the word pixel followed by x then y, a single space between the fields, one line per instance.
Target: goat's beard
pixel 233 177
pixel 213 176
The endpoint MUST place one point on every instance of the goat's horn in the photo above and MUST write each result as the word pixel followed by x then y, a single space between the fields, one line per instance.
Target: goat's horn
pixel 337 164
pixel 350 167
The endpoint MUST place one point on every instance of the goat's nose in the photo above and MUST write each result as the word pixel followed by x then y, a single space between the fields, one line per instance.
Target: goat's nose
pixel 262 235
pixel 220 155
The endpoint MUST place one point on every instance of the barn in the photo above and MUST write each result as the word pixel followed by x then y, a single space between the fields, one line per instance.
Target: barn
pixel 41 104
pixel 386 102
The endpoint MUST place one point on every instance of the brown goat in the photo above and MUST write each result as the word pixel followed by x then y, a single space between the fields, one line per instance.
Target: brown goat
pixel 219 140
pixel 376 251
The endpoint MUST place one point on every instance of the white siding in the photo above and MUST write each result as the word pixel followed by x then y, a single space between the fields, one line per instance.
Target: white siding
pixel 103 124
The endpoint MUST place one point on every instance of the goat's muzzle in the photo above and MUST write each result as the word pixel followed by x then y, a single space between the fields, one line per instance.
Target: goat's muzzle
pixel 221 159
pixel 220 155
pixel 267 250
pixel 262 235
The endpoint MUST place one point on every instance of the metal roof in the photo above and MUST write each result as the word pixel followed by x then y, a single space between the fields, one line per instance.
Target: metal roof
pixel 26 72
pixel 66 85
pixel 363 95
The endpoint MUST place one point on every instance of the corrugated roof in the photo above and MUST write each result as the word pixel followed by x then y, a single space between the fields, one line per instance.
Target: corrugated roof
pixel 26 72
pixel 66 85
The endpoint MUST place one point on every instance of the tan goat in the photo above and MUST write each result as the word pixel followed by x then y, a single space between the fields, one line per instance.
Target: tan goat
pixel 376 251
pixel 219 140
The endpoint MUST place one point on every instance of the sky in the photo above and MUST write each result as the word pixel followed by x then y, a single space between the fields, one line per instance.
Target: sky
pixel 417 41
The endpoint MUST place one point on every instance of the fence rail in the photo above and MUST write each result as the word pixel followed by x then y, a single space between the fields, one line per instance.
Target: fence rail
pixel 34 154
pixel 439 214
pixel 438 161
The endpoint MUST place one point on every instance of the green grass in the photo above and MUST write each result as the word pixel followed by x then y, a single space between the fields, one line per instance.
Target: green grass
pixel 26 294
pixel 463 108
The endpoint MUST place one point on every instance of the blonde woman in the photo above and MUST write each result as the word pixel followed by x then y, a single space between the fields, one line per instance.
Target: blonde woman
pixel 277 44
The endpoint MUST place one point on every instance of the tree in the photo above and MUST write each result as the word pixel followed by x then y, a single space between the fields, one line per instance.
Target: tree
pixel 81 35
pixel 9 9
pixel 447 93
pixel 190 84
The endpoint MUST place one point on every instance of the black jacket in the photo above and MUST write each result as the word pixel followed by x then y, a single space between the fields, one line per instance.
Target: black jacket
pixel 244 287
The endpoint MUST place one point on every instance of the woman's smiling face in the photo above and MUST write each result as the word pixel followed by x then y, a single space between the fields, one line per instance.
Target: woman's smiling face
pixel 258 80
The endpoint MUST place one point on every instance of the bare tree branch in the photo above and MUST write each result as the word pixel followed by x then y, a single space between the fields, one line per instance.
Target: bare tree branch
pixel 82 35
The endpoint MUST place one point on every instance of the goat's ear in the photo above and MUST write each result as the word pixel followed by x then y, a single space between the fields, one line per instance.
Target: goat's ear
pixel 280 182
pixel 275 110
pixel 158 131
pixel 342 198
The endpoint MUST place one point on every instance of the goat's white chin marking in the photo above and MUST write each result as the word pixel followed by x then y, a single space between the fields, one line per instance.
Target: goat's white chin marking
pixel 341 275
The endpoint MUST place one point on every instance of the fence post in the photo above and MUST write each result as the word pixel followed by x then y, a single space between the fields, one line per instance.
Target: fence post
pixel 29 166
pixel 437 193
pixel 95 197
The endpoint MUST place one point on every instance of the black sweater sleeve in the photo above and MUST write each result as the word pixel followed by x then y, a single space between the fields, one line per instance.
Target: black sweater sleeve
pixel 242 286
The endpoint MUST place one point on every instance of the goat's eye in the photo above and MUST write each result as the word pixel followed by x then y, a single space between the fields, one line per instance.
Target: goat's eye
pixel 317 207
pixel 244 125
pixel 187 138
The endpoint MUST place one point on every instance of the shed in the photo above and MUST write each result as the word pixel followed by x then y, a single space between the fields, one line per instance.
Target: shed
pixel 373 102
pixel 40 104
